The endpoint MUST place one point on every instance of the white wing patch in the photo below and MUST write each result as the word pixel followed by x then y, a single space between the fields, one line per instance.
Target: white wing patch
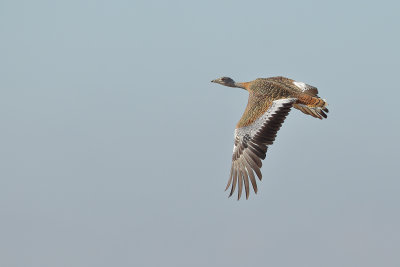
pixel 301 85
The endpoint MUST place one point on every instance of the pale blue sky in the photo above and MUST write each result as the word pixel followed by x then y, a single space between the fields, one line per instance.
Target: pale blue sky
pixel 116 148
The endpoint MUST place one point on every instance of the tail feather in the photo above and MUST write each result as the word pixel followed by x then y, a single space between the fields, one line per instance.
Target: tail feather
pixel 317 102
pixel 316 112
pixel 311 104
pixel 312 101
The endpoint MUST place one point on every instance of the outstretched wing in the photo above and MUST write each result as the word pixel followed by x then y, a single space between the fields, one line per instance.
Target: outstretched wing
pixel 251 144
pixel 297 86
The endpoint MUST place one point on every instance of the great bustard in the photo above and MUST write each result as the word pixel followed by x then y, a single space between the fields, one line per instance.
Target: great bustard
pixel 270 100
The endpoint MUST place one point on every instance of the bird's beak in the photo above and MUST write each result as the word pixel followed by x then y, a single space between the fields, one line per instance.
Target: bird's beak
pixel 213 81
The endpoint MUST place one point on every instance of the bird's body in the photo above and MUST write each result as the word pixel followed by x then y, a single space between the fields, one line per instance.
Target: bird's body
pixel 270 100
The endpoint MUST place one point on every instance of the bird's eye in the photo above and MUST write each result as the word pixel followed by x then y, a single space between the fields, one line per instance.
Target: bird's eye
pixel 223 79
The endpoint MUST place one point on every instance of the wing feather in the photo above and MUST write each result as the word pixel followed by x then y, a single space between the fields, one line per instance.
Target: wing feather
pixel 251 145
pixel 240 182
pixel 245 177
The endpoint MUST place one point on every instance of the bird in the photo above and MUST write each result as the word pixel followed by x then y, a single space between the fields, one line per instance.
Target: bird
pixel 270 101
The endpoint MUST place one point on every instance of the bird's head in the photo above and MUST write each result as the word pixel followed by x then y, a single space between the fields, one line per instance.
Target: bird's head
pixel 225 81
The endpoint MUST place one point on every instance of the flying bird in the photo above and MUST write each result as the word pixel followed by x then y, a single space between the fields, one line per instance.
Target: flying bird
pixel 270 100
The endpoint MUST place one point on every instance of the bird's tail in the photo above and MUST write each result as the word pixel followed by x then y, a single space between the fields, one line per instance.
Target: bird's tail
pixel 312 105
pixel 312 101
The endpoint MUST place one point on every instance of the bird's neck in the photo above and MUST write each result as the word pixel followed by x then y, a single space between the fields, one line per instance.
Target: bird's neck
pixel 242 85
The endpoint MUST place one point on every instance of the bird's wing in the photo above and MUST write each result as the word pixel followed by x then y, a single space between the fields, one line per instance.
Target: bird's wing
pixel 297 86
pixel 306 88
pixel 252 141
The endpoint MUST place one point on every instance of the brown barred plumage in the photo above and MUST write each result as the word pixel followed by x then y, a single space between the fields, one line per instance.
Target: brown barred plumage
pixel 311 101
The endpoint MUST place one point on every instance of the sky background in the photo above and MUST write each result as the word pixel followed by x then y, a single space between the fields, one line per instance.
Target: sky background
pixel 115 148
